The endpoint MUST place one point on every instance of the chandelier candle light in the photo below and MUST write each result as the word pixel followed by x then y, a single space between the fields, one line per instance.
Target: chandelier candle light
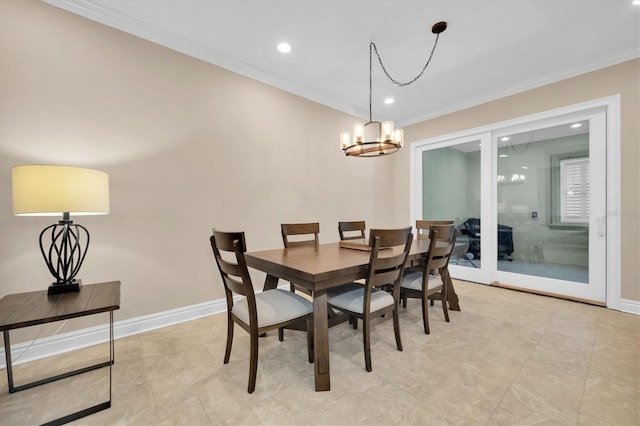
pixel 373 138
pixel 45 190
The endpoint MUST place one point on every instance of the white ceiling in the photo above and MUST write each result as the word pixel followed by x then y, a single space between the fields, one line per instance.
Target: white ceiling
pixel 491 48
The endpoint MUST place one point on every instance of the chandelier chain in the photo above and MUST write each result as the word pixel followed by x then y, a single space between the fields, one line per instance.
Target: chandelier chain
pixel 370 81
pixel 394 81
pixel 389 140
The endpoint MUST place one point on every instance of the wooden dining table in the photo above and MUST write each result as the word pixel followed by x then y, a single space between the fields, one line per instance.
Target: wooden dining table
pixel 319 268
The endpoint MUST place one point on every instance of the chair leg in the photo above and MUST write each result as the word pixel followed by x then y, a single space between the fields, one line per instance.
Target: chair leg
pixel 445 309
pixel 227 352
pixel 253 362
pixel 444 293
pixel 292 288
pixel 396 327
pixel 425 313
pixel 367 343
pixel 354 322
pixel 281 334
pixel 310 340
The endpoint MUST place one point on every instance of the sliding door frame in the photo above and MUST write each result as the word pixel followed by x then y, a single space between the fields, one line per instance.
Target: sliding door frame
pixel 611 105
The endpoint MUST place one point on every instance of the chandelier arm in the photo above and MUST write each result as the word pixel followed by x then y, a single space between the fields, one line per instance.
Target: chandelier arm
pixel 394 81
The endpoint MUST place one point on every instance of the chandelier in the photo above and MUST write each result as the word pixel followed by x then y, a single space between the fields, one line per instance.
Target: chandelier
pixel 374 138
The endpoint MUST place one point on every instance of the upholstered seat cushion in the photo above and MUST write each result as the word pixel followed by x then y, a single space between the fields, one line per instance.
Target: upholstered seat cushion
pixel 351 297
pixel 273 307
pixel 414 281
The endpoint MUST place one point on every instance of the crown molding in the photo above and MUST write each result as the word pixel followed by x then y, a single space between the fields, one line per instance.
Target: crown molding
pixel 106 16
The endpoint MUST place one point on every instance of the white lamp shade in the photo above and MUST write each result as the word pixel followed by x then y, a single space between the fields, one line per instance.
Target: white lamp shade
pixel 46 190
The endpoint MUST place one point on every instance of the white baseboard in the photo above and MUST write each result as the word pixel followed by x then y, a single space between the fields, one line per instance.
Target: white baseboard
pixel 629 306
pixel 56 344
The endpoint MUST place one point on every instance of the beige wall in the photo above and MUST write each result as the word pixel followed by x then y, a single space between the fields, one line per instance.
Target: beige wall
pixel 623 79
pixel 188 146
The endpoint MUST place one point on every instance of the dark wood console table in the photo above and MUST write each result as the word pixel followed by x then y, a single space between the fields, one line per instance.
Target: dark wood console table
pixel 27 309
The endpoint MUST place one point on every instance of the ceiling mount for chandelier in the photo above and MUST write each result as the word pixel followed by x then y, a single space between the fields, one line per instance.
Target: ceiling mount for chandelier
pixel 374 138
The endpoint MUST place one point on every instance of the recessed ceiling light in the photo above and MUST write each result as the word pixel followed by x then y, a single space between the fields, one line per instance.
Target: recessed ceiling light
pixel 504 138
pixel 503 156
pixel 389 101
pixel 284 47
pixel 636 2
pixel 525 167
pixel 576 125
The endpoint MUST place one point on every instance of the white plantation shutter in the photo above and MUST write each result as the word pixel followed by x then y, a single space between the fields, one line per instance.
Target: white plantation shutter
pixel 574 190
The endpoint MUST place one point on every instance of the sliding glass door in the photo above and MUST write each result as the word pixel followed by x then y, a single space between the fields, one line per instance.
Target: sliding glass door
pixel 529 201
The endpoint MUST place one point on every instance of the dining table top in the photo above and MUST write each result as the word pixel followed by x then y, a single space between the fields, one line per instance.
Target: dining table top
pixel 325 264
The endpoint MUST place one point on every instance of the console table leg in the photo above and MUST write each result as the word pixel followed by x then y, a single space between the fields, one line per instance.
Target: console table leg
pixel 7 353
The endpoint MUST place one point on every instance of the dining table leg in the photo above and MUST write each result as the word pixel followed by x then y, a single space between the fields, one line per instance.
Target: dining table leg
pixel 452 297
pixel 321 341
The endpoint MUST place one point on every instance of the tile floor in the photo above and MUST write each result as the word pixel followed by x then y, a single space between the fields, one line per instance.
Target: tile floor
pixel 507 358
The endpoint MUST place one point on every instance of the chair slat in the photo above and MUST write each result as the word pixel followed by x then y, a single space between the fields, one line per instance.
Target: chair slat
pixel 289 229
pixel 423 226
pixel 357 226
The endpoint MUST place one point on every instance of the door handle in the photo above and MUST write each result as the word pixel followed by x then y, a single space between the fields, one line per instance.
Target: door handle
pixel 602 226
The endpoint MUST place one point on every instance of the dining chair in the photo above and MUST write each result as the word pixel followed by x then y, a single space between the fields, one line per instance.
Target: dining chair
pixel 349 227
pixel 370 300
pixel 459 251
pixel 256 313
pixel 353 231
pixel 435 276
pixel 422 233
pixel 304 234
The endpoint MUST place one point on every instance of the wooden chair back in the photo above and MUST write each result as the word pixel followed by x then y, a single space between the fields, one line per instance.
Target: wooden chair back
pixel 442 241
pixel 423 226
pixel 358 226
pixel 227 246
pixel 387 270
pixel 298 229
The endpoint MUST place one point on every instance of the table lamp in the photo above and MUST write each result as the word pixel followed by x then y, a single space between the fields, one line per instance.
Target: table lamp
pixel 48 190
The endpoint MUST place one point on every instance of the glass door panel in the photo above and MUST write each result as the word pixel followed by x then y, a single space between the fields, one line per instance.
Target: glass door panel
pixel 451 191
pixel 534 235
pixel 550 190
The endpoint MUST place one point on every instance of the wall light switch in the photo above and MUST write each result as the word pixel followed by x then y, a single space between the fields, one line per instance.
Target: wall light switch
pixel 534 215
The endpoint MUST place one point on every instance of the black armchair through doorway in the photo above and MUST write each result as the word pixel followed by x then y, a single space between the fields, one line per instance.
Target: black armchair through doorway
pixel 471 228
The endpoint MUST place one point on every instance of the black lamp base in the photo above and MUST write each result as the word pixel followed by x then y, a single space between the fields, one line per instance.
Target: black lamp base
pixel 67 287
